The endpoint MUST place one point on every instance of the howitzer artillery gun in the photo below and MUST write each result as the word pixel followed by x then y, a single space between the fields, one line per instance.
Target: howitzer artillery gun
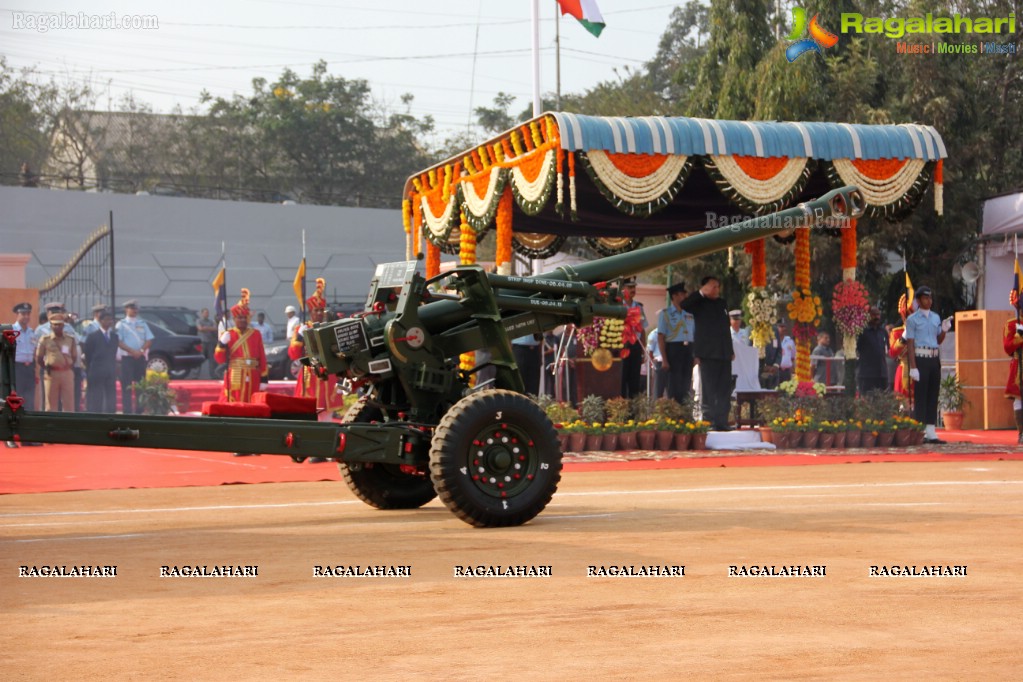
pixel 419 431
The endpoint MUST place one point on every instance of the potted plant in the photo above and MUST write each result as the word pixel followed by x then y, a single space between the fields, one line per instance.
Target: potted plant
pixel 683 435
pixel 610 438
pixel 698 434
pixel 154 393
pixel 885 432
pixel 619 412
pixel 576 435
pixel 561 414
pixel 665 433
pixel 646 434
pixel 827 430
pixel 594 435
pixel 951 402
pixel 627 436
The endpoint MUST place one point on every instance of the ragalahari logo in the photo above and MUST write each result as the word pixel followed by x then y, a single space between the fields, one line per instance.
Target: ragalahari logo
pixel 820 38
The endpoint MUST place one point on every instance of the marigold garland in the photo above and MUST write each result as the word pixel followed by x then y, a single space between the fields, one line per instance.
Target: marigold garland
pixel 803 350
pixel 432 260
pixel 417 222
pixel 849 244
pixel 850 304
pixel 802 255
pixel 762 314
pixel 466 243
pixel 406 222
pixel 502 259
pixel 758 276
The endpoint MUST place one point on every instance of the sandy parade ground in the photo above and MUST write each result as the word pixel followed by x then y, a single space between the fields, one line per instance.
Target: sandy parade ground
pixel 795 572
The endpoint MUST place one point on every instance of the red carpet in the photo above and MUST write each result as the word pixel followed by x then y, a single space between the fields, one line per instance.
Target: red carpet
pixel 56 468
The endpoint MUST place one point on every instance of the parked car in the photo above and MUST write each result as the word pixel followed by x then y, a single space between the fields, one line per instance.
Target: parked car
pixel 175 354
pixel 279 365
pixel 177 319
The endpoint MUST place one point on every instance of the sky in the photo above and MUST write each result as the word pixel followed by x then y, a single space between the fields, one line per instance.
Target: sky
pixel 452 56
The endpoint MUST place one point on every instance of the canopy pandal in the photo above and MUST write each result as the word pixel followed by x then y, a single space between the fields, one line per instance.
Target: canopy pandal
pixel 658 176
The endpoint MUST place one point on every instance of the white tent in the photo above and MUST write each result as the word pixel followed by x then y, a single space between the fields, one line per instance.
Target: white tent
pixel 1002 220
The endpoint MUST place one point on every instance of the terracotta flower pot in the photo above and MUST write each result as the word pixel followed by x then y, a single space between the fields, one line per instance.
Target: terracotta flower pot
pixel 885 439
pixel 665 440
pixel 698 441
pixel 577 442
pixel 780 439
pixel 826 441
pixel 840 439
pixel 682 441
pixel 610 442
pixel 903 438
pixel 867 439
pixel 647 439
pixel 594 442
pixel 627 441
pixel 564 440
pixel 852 439
pixel 918 437
pixel 766 434
pixel 810 439
pixel 953 421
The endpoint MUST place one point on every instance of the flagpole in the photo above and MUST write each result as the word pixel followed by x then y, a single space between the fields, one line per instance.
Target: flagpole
pixel 535 10
pixel 557 56
pixel 302 304
pixel 223 267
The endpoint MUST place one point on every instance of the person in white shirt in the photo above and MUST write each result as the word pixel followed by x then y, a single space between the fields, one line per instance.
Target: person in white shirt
pixel 293 321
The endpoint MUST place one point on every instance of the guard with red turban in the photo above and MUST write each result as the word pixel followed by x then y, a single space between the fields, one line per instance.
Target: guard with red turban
pixel 241 348
pixel 1012 340
pixel 309 385
pixel 897 346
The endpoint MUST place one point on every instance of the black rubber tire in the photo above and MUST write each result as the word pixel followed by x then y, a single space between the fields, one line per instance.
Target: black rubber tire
pixel 477 470
pixel 384 486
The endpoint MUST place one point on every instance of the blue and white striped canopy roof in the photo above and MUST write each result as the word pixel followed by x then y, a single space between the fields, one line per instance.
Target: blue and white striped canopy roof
pixel 699 136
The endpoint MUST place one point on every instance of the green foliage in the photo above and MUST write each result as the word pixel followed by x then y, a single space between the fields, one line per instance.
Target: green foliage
pixel 592 409
pixel 951 397
pixel 618 409
pixel 561 413
pixel 668 408
pixel 154 394
pixel 642 408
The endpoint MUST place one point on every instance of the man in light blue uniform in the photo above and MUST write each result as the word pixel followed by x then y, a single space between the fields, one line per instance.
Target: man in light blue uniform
pixel 25 355
pixel 135 340
pixel 653 350
pixel 676 330
pixel 924 333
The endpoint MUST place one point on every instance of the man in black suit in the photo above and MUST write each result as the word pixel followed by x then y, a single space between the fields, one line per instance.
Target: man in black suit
pixel 713 350
pixel 101 366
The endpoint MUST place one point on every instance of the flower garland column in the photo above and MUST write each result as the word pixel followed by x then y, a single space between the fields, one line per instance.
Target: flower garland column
pixel 849 275
pixel 467 256
pixel 502 260
pixel 761 309
pixel 802 282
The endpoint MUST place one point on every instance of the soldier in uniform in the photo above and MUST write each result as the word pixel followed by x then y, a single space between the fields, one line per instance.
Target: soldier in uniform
pixel 25 355
pixel 56 355
pixel 134 339
pixel 241 348
pixel 925 330
pixel 1012 340
pixel 675 334
pixel 309 385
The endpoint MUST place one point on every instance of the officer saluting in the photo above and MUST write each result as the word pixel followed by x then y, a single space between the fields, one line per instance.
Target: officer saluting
pixel 925 331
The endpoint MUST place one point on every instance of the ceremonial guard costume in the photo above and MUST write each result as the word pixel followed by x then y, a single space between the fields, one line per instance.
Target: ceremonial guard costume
pixel 897 349
pixel 632 361
pixel 309 385
pixel 1012 340
pixel 241 349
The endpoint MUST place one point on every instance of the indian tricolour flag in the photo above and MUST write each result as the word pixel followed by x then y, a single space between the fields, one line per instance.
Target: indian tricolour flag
pixel 586 12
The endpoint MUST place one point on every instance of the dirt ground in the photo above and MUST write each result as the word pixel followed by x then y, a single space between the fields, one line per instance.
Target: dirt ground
pixel 287 624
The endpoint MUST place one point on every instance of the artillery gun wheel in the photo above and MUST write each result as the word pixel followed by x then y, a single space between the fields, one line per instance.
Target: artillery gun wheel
pixel 384 486
pixel 495 459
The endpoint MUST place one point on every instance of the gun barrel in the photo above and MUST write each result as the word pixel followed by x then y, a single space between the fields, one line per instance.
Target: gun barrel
pixel 845 202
